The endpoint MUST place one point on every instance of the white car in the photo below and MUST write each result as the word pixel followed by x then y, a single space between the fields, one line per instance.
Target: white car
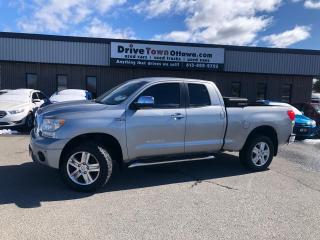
pixel 17 107
pixel 3 91
pixel 70 95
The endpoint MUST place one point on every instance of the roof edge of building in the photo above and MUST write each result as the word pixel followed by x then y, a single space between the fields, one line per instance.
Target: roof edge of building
pixel 109 40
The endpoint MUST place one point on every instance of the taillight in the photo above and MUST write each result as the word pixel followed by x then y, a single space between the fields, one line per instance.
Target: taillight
pixel 291 115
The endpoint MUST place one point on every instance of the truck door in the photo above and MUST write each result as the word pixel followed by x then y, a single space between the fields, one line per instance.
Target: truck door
pixel 206 121
pixel 158 130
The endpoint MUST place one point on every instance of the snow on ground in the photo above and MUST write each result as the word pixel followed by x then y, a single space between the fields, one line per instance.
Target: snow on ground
pixel 8 132
pixel 312 141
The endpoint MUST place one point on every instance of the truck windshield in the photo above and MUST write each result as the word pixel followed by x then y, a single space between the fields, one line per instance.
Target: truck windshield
pixel 120 93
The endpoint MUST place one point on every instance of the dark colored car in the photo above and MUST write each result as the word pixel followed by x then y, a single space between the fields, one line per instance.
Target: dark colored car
pixel 304 126
pixel 311 110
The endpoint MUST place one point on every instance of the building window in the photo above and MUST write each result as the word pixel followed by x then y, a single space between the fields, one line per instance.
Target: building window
pixel 32 80
pixel 235 89
pixel 61 82
pixel 91 83
pixel 286 93
pixel 262 91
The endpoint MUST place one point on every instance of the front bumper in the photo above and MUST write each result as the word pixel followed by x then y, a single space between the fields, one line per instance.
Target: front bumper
pixel 13 120
pixel 305 131
pixel 46 151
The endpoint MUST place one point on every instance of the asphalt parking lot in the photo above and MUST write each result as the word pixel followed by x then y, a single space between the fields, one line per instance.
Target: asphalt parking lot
pixel 215 199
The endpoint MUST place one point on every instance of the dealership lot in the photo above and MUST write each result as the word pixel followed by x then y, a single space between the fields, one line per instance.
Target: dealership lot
pixel 214 199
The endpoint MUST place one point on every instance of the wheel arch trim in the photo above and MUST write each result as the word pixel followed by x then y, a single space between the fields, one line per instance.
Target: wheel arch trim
pixel 265 130
pixel 103 139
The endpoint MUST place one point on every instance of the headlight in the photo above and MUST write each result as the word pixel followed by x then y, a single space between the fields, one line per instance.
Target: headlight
pixel 49 126
pixel 313 123
pixel 16 111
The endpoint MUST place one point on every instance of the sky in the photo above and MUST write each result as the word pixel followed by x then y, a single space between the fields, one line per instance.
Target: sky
pixel 265 23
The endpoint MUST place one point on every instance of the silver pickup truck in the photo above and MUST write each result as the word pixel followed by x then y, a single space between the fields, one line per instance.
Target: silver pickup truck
pixel 153 121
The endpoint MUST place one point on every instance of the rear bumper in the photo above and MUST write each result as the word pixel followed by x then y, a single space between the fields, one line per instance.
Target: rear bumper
pixel 46 151
pixel 291 138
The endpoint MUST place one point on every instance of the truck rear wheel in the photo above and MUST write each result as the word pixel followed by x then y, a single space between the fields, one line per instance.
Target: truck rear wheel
pixel 86 167
pixel 258 153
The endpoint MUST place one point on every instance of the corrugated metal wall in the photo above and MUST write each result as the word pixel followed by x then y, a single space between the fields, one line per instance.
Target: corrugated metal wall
pixel 272 63
pixel 98 54
pixel 60 52
pixel 13 75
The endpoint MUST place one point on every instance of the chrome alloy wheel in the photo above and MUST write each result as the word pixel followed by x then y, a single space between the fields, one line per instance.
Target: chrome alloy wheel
pixel 260 154
pixel 83 168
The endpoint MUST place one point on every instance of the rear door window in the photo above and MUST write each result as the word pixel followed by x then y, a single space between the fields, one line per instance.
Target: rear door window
pixel 198 95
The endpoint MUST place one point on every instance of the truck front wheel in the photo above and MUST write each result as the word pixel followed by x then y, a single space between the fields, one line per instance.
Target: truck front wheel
pixel 86 167
pixel 258 153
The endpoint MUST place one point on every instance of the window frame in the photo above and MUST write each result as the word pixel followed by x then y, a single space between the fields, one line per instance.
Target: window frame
pixel 290 93
pixel 188 95
pixel 57 81
pixel 240 88
pixel 265 90
pixel 35 74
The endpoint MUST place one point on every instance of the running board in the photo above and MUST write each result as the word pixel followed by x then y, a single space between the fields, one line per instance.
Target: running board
pixel 140 164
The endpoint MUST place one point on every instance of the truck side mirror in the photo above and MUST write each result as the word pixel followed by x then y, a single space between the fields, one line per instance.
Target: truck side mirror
pixel 144 102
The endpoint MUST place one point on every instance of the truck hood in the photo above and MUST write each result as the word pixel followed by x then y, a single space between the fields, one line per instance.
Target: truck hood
pixel 71 107
pixel 7 106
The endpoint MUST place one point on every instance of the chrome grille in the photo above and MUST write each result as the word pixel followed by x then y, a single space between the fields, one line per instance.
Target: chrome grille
pixel 2 114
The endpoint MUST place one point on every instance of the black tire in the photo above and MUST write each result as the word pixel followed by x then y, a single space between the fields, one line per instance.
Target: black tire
pixel 99 154
pixel 29 122
pixel 248 156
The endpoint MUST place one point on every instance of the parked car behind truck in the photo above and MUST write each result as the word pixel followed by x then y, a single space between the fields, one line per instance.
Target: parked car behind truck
pixel 304 126
pixel 18 107
pixel 153 121
pixel 315 98
pixel 68 95
pixel 311 110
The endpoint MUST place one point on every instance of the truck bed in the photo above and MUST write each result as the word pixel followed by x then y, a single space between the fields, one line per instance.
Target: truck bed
pixel 243 117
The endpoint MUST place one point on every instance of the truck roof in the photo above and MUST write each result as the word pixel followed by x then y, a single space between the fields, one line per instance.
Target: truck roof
pixel 169 79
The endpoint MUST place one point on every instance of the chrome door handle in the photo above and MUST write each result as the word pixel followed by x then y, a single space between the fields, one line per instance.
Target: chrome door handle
pixel 177 116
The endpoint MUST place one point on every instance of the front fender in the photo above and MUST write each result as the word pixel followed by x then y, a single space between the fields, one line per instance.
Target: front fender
pixel 110 126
